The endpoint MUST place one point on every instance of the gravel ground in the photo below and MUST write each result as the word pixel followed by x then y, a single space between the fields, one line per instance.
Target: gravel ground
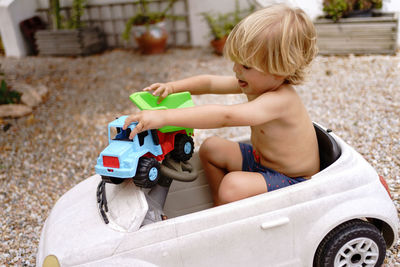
pixel 45 154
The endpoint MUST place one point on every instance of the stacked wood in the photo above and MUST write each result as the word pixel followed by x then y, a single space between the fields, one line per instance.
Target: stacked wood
pixel 76 42
pixel 362 35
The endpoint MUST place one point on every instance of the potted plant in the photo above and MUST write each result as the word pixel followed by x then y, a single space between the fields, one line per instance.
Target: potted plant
pixel 336 9
pixel 221 24
pixel 356 27
pixel 69 36
pixel 149 29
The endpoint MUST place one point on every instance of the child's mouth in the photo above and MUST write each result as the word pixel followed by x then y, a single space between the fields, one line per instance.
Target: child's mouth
pixel 242 83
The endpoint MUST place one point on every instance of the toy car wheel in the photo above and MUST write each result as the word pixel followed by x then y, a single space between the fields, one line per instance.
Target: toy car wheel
pixel 112 180
pixel 354 243
pixel 148 172
pixel 184 147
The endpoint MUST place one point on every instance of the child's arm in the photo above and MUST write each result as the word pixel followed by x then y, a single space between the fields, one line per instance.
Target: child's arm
pixel 262 109
pixel 197 85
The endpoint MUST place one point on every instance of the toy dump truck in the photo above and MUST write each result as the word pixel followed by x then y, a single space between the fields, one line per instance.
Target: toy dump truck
pixel 140 157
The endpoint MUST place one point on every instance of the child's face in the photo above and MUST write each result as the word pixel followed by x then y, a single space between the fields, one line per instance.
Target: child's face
pixel 254 82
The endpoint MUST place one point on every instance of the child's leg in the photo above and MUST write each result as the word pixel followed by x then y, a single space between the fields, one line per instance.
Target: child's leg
pixel 239 185
pixel 219 157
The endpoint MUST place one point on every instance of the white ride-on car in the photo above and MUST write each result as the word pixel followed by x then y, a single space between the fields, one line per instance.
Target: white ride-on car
pixel 343 216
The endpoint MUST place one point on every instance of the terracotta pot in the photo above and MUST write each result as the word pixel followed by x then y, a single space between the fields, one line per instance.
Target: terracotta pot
pixel 151 39
pixel 218 45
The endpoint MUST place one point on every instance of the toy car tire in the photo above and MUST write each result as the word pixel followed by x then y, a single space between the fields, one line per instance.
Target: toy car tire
pixel 148 172
pixel 355 242
pixel 184 147
pixel 112 180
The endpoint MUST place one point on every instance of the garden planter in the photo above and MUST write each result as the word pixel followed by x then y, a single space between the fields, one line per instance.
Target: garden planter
pixel 151 39
pixel 77 42
pixel 358 35
pixel 218 45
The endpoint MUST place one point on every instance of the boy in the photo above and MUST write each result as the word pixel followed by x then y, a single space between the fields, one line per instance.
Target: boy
pixel 270 49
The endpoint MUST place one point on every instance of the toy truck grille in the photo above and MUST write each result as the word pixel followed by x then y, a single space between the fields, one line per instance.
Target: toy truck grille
pixel 111 162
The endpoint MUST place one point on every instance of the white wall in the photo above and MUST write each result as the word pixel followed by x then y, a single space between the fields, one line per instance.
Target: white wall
pixel 200 33
pixel 11 13
pixel 14 11
pixel 391 5
pixel 312 7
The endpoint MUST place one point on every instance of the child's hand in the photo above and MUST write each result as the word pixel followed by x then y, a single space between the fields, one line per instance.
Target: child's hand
pixel 147 119
pixel 160 89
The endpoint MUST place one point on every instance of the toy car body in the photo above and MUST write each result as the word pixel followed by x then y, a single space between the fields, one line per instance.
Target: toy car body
pixel 343 215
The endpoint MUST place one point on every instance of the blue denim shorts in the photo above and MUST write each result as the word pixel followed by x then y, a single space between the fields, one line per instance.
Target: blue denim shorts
pixel 273 179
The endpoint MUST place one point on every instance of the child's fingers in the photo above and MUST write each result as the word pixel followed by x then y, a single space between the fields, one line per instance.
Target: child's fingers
pixel 152 87
pixel 161 91
pixel 136 130
pixel 158 89
pixel 163 95
pixel 128 121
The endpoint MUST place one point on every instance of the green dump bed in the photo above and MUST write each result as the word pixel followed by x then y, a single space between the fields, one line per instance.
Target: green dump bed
pixel 146 101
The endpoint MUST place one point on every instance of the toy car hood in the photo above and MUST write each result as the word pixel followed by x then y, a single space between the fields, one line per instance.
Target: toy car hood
pixel 75 210
pixel 116 149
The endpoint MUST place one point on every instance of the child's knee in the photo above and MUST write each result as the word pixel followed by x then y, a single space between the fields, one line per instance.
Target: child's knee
pixel 230 189
pixel 208 147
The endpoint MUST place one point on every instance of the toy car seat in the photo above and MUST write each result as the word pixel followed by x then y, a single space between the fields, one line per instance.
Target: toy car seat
pixel 329 150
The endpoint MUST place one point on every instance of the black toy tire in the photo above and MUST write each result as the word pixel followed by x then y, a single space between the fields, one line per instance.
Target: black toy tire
pixel 352 234
pixel 184 147
pixel 112 180
pixel 148 172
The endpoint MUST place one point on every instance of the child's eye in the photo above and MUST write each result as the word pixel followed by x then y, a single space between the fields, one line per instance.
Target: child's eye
pixel 246 67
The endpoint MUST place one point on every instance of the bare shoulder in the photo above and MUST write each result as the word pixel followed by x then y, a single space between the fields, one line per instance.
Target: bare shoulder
pixel 280 99
pixel 284 92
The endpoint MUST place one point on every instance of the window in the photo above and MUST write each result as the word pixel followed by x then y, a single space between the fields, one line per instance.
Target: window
pixel 119 134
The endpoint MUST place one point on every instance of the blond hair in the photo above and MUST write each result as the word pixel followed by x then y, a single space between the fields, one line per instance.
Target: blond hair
pixel 279 40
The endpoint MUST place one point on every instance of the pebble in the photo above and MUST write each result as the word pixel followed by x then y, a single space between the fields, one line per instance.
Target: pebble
pixel 45 154
pixel 15 110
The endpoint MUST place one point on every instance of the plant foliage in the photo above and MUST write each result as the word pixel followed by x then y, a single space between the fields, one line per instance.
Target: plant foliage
pixel 221 24
pixel 7 96
pixel 55 13
pixel 78 8
pixel 147 17
pixel 336 9
pixel 74 22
